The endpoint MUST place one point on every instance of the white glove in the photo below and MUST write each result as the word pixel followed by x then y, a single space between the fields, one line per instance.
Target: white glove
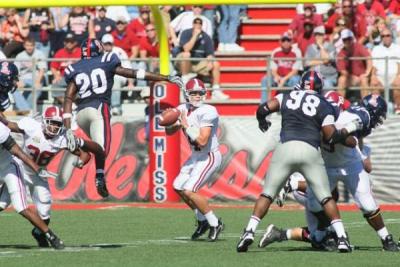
pixel 45 174
pixel 354 125
pixel 177 80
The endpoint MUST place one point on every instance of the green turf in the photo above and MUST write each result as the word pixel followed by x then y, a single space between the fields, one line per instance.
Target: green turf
pixel 160 237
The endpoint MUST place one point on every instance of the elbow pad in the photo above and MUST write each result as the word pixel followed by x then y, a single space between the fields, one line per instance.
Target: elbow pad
pixel 263 111
pixel 9 143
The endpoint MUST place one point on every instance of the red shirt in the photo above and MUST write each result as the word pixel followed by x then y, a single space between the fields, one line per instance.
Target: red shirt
pixel 376 10
pixel 394 7
pixel 359 27
pixel 137 28
pixel 151 49
pixel 356 66
pixel 284 66
pixel 303 43
pixel 126 41
pixel 297 25
pixel 63 53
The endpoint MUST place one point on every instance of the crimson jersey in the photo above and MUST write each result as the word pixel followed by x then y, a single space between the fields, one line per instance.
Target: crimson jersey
pixel 41 149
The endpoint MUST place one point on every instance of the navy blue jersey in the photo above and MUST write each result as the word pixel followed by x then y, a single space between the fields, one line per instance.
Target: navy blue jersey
pixel 303 114
pixel 4 101
pixel 94 78
pixel 363 114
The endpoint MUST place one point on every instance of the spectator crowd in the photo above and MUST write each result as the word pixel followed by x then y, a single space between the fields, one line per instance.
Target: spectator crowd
pixel 346 42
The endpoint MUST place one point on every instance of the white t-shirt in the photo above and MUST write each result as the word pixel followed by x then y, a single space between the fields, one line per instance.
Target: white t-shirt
pixel 41 149
pixel 184 21
pixel 382 51
pixel 203 116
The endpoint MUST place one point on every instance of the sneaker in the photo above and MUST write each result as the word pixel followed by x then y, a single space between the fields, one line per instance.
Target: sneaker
pixel 101 185
pixel 40 238
pixel 343 245
pixel 219 95
pixel 71 140
pixel 202 227
pixel 245 241
pixel 221 47
pixel 234 48
pixel 272 234
pixel 389 244
pixel 215 231
pixel 54 241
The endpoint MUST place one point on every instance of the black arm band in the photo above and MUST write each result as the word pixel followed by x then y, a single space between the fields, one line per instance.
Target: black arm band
pixel 263 111
pixel 9 143
pixel 338 137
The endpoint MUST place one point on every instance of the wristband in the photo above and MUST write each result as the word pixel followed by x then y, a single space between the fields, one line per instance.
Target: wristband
pixel 193 132
pixel 140 74
pixel 67 115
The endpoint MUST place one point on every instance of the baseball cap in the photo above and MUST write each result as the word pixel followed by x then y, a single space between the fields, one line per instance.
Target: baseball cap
pixel 319 30
pixel 308 5
pixel 121 19
pixel 286 36
pixel 346 33
pixel 69 37
pixel 107 38
pixel 101 8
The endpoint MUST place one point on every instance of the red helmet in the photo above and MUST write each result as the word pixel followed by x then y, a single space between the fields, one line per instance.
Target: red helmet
pixel 53 121
pixel 195 92
pixel 337 100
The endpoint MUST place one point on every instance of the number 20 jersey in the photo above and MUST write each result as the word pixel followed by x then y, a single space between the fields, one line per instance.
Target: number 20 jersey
pixel 41 149
pixel 303 115
pixel 94 78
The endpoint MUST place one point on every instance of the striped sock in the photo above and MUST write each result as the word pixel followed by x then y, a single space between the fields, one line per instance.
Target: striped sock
pixel 339 228
pixel 253 223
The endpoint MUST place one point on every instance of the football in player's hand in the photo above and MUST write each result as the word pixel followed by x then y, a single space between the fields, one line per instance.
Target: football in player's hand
pixel 169 116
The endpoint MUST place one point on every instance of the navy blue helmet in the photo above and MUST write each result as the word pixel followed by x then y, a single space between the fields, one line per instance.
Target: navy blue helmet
pixel 311 80
pixel 8 77
pixel 91 48
pixel 376 107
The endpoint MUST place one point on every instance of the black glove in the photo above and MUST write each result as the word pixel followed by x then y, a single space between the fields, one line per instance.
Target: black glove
pixel 264 124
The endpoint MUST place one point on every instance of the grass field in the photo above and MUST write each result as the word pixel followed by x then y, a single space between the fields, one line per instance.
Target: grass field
pixel 132 236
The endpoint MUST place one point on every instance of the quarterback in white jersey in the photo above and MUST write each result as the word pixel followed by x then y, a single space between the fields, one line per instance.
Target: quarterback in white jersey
pixel 199 122
pixel 42 141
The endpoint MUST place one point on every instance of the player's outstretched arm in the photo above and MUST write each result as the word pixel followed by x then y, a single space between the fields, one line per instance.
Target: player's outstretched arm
pixel 263 111
pixel 15 150
pixel 11 125
pixel 69 97
pixel 149 76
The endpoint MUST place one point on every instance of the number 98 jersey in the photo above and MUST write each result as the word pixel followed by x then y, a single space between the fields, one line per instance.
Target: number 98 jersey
pixel 94 78
pixel 303 115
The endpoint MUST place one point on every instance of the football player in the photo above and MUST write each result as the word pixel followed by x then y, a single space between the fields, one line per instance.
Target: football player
pixel 303 110
pixel 91 79
pixel 42 141
pixel 8 83
pixel 199 122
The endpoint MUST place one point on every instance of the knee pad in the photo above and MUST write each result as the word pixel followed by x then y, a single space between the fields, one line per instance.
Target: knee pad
pixel 267 196
pixel 325 200
pixel 372 214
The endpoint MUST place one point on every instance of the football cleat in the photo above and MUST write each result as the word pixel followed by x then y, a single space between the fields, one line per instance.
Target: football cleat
pixel 40 238
pixel 389 244
pixel 245 241
pixel 328 243
pixel 202 227
pixel 54 241
pixel 215 231
pixel 272 234
pixel 101 185
pixel 343 245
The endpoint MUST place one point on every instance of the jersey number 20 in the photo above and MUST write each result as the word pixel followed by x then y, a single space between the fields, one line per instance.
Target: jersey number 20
pixel 309 105
pixel 90 84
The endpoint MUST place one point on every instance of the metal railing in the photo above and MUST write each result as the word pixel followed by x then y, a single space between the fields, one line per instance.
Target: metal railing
pixel 241 86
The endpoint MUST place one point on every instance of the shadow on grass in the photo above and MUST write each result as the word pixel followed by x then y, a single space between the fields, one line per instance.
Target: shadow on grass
pixel 18 246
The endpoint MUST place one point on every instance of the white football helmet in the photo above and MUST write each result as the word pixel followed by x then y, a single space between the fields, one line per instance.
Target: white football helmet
pixel 52 121
pixel 195 92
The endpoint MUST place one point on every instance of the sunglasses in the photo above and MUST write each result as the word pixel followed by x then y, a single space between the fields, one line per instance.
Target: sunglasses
pixel 120 22
pixel 285 39
pixel 198 22
pixel 386 35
